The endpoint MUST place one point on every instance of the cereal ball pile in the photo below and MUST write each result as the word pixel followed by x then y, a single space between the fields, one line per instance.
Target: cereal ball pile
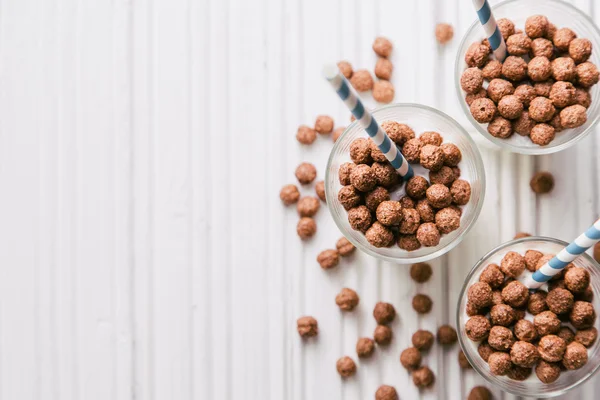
pixel 541 88
pixel 516 344
pixel 430 209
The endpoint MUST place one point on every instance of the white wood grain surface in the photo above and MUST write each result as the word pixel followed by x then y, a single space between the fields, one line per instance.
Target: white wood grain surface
pixel 144 250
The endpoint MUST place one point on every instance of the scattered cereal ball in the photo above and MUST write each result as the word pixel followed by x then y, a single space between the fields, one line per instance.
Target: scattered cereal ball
pixel 383 91
pixel 471 80
pixel 426 212
pixel 328 259
pixel 577 279
pixel 428 234
pixel 524 124
pixel 541 47
pixel 320 190
pixel 445 176
pixel 536 26
pixel 307 327
pixel 552 348
pixel 306 173
pixel 462 360
pixel 514 68
pixel 308 206
pixel 447 220
pixel 382 46
pixel 344 247
pixel 480 393
pixel 510 107
pixel 524 354
pixel 416 187
pixel 386 392
pixel 344 173
pixel 541 109
pixel 306 134
pixel 543 89
pixel 501 338
pixel 360 151
pixel 399 133
pixel 542 182
pixel 289 194
pixel 525 93
pixel 347 299
pixel 444 33
pixel 384 68
pixel 389 213
pixel 539 69
pixel 519 373
pixel 478 328
pixel 412 150
pixel 346 367
pixel 582 315
pixel 471 97
pixel 337 133
pixel 587 337
pixel 446 335
pixel 537 302
pixel 359 218
pixel 559 301
pixel 563 69
pixel 562 94
pixel 385 174
pixel 365 347
pixel 587 74
pixel 410 221
pixel 507 27
pixel 379 235
pixel 492 275
pixel 409 242
pixel 422 340
pixel 575 356
pixel 583 97
pixel 500 127
pixel 563 38
pixel 438 195
pixel 525 331
pixel 410 358
pixel 566 334
pixel 306 228
pixel 324 124
pixel 423 377
pixel 546 323
pixel 376 197
pixel 573 116
pixel 382 335
pixel 384 313
pixel 422 303
pixel 547 372
pixel 580 50
pixel 518 44
pixel 502 314
pixel 420 272
pixel 362 80
pixel 485 351
pixel 477 55
pixel 363 178
pixel 542 134
pixel 345 68
pixel 349 197
pixel 461 192
pixel 492 70
pixel 500 363
pixel 515 294
pixel 432 138
pixel 483 110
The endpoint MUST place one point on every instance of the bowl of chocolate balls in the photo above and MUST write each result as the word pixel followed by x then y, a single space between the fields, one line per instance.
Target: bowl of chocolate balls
pixel 417 219
pixel 538 343
pixel 542 98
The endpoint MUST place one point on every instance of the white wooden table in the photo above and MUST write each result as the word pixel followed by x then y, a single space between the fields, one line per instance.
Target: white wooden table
pixel 144 250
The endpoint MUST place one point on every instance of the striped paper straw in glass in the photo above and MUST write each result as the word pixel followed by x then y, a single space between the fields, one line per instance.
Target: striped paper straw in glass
pixel 364 117
pixel 484 12
pixel 564 257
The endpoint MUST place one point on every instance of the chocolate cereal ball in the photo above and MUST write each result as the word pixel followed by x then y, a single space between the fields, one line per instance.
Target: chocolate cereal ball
pixel 289 194
pixel 431 157
pixel 542 47
pixel 345 68
pixel 492 70
pixel 363 178
pixel 360 151
pixel 362 80
pixel 306 134
pixel 307 327
pixel 420 272
pixel 492 275
pixel 515 294
pixel 546 323
pixel 328 259
pixel 537 302
pixel 477 55
pixel 580 50
pixel 510 107
pixel 478 328
pixel 587 337
pixel 399 133
pixel 365 347
pixel 422 340
pixel 359 218
pixel 422 303
pixel 562 94
pixel 389 213
pixel 524 124
pixel 542 134
pixel 485 351
pixel 566 334
pixel 320 190
pixel 517 373
pixel 539 69
pixel 525 93
pixel 306 173
pixel 541 109
pixel 515 68
pixel 386 392
pixel 547 372
pixel 524 354
pixel 425 210
pixel 385 174
pixel 542 182
pixel 559 301
pixel 446 335
pixel 577 279
pixel 583 97
pixel 518 44
pixel 384 68
pixel 428 234
pixel 452 154
pixel 408 242
pixel 497 297
pixel 461 192
pixel 536 26
pixel 384 313
pixel 447 220
pixel 472 310
pixel 376 197
pixel 582 315
pixel 324 124
pixel 506 27
pixel 563 69
pixel 382 46
pixel 306 228
pixel 423 377
pixel 379 235
pixel 382 335
pixel 480 294
pixel 563 38
pixel 344 247
pixel 500 127
pixel 500 363
pixel 587 74
pixel 573 116
pixel 556 124
pixel 444 33
pixel 347 299
pixel 462 360
pixel 525 331
pixel 483 110
pixel 376 154
pixel 308 206
pixel 480 393
pixel 349 197
pixel 410 358
pixel 438 195
pixel 575 356
pixel 471 97
pixel 344 173
pixel 552 348
pixel 383 91
pixel 412 150
pixel 501 338
pixel 432 138
pixel 512 264
pixel 346 367
pixel 543 89
pixel 502 314
pixel 410 221
pixel 416 187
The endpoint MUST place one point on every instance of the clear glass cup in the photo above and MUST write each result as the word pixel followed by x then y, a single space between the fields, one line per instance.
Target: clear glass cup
pixel 421 119
pixel 532 386
pixel 561 14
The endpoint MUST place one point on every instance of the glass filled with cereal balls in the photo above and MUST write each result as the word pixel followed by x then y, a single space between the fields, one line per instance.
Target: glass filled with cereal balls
pixel 544 97
pixel 538 343
pixel 416 220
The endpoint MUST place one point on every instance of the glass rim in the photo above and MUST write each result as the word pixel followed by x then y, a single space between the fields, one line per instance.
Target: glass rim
pixel 503 143
pixel 476 267
pixel 479 165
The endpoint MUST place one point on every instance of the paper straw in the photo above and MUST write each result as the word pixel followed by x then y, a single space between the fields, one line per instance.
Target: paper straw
pixel 566 256
pixel 364 117
pixel 486 17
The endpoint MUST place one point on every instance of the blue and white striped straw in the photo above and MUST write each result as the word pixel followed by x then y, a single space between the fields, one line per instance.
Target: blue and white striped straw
pixel 566 256
pixel 484 12
pixel 364 117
